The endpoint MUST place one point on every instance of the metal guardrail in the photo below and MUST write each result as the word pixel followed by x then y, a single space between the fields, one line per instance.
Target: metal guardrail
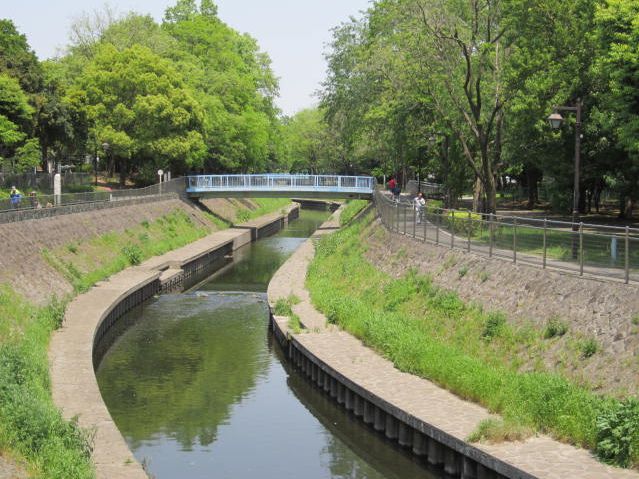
pixel 281 182
pixel 429 189
pixel 31 202
pixel 581 248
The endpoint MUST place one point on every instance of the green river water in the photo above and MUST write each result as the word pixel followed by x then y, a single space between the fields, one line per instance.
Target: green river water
pixel 199 390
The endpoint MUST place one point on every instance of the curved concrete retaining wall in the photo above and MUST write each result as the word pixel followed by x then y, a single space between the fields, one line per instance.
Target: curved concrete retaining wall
pixel 421 417
pixel 77 346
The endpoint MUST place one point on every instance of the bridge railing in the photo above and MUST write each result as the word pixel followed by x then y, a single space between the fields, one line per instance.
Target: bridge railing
pixel 280 182
pixel 582 248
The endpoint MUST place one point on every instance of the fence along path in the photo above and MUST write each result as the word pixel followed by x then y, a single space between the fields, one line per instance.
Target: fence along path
pixel 584 249
pixel 26 205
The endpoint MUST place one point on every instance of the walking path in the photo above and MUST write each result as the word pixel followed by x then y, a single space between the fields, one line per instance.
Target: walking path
pixel 440 235
pixel 539 456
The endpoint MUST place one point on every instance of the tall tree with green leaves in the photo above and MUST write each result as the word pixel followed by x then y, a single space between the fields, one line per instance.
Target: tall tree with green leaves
pixel 138 104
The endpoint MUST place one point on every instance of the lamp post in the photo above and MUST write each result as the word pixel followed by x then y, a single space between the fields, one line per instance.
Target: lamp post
pixel 555 120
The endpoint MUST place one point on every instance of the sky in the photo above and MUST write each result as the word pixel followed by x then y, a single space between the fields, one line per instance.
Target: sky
pixel 293 32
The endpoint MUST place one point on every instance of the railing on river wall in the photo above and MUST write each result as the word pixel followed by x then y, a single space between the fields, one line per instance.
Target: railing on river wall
pixel 281 182
pixel 607 251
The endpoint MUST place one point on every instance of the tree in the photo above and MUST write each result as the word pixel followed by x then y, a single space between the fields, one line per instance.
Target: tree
pixel 616 69
pixel 234 82
pixel 137 103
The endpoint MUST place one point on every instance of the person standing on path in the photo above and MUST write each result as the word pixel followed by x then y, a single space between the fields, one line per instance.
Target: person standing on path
pixel 394 188
pixel 419 203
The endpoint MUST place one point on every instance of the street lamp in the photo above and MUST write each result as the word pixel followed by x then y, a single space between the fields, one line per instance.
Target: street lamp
pixel 555 120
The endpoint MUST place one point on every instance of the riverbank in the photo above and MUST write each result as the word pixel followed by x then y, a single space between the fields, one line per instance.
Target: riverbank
pixel 354 374
pixel 31 426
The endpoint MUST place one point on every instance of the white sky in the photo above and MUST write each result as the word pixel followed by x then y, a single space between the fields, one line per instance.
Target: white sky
pixel 292 32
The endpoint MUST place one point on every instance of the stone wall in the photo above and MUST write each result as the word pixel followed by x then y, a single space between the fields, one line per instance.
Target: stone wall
pixel 25 269
pixel 604 310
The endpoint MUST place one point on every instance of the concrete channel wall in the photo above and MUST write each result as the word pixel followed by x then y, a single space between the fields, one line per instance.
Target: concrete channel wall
pixel 456 457
pixel 424 419
pixel 78 346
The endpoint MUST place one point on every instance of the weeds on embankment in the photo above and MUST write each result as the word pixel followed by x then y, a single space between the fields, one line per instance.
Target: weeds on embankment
pixel 29 421
pixel 91 261
pixel 352 208
pixel 264 206
pixel 432 333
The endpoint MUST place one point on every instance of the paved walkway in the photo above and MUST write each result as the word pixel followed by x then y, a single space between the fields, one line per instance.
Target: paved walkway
pixel 540 456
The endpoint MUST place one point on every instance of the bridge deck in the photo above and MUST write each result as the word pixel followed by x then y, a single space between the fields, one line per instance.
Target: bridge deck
pixel 280 185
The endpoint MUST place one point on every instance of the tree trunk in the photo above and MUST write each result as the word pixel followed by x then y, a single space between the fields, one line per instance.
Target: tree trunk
pixel 478 195
pixel 532 179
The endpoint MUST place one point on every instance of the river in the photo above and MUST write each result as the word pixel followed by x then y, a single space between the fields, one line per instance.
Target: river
pixel 199 390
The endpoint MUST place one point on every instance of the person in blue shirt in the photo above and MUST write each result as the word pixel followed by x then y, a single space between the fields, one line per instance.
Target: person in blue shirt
pixel 15 196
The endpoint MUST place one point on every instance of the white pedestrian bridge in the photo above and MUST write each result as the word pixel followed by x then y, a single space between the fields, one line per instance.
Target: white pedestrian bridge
pixel 280 185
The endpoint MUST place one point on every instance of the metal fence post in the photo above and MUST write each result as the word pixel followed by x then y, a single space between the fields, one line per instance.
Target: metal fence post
pixel 514 240
pixel 581 249
pixel 627 267
pixel 452 233
pixel 405 215
pixel 491 234
pixel 438 220
pixel 545 241
pixel 425 220
pixel 470 228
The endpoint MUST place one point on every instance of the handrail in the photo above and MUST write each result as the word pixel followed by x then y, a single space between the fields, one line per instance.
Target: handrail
pixel 597 250
pixel 280 182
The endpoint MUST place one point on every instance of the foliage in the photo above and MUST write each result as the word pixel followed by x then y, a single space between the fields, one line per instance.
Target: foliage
pixel 555 327
pixel 139 105
pixel 29 421
pixel 495 430
pixel 432 333
pixel 352 209
pixel 618 433
pixel 96 259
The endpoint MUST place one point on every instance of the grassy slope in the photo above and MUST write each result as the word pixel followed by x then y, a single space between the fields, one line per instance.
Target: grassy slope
pixel 30 424
pixel 432 333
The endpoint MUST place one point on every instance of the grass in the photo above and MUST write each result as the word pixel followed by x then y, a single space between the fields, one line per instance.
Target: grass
pixel 88 262
pixel 430 332
pixel 496 430
pixel 284 307
pixel 555 327
pixel 352 208
pixel 264 206
pixel 30 424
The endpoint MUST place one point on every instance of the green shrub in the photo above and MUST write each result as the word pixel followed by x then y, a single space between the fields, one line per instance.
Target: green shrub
pixel 555 327
pixel 133 254
pixel 462 271
pixel 618 433
pixel 494 325
pixel 588 347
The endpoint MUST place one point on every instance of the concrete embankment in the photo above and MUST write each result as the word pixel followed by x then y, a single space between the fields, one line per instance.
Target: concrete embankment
pixel 425 419
pixel 75 348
